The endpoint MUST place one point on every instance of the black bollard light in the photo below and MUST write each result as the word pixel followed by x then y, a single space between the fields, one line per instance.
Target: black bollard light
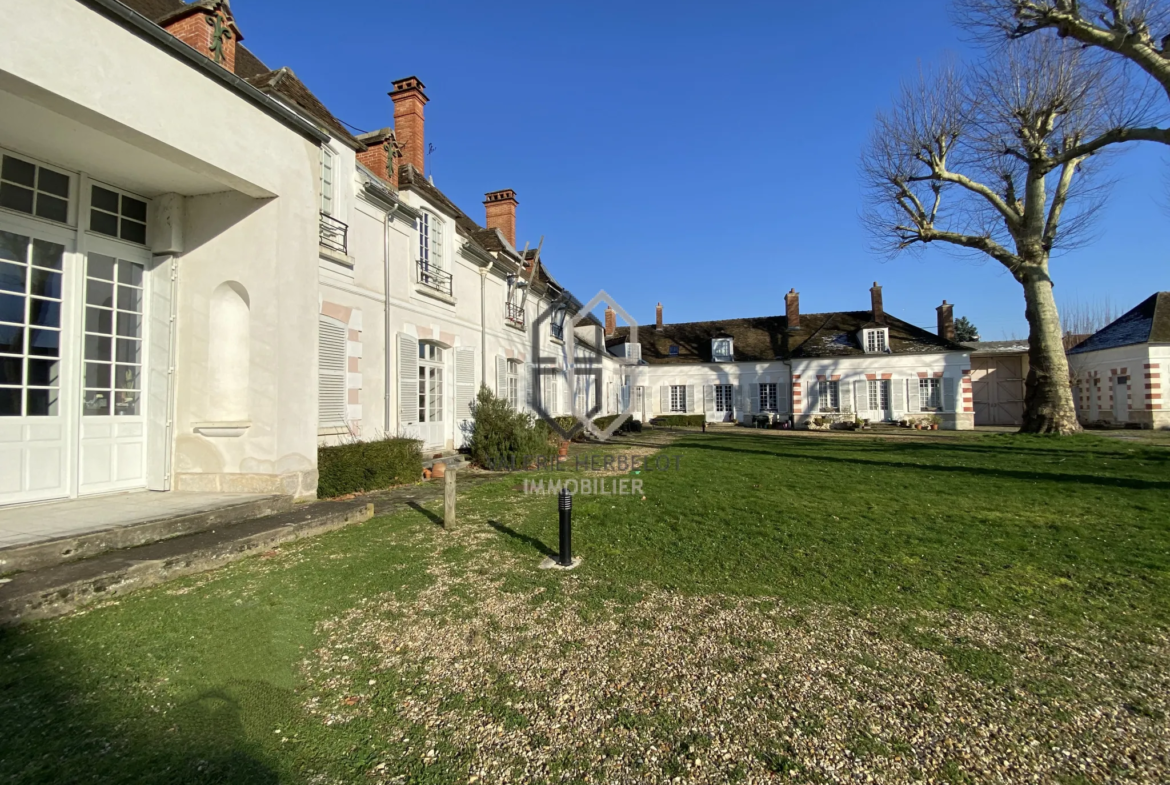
pixel 566 508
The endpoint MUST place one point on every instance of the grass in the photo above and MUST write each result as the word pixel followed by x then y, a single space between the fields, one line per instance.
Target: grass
pixel 204 679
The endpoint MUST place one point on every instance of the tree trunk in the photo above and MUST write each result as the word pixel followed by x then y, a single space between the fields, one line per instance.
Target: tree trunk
pixel 1048 403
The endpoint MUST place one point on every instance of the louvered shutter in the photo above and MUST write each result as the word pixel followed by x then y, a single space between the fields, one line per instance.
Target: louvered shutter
pixel 692 402
pixel 566 397
pixel 845 392
pixel 914 395
pixel 332 398
pixel 531 380
pixel 502 378
pixel 814 396
pixel 948 385
pixel 665 399
pixel 407 380
pixel 781 398
pixel 861 396
pixel 898 394
pixel 464 383
pixel 708 397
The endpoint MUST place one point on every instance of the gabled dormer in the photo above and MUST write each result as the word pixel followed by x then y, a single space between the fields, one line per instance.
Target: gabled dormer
pixel 875 339
pixel 722 348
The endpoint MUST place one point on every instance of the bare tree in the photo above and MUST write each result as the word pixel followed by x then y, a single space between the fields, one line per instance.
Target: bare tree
pixel 998 160
pixel 1080 319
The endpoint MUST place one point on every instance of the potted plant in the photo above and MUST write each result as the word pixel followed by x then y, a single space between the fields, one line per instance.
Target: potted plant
pixel 439 470
pixel 935 421
pixel 563 449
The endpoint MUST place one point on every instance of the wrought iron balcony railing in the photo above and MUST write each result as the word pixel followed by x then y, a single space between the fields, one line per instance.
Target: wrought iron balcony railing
pixel 434 277
pixel 514 314
pixel 334 234
pixel 557 331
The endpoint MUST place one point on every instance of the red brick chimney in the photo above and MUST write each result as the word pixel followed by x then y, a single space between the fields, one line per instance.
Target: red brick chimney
pixel 500 207
pixel 792 309
pixel 409 100
pixel 380 155
pixel 658 317
pixel 610 321
pixel 946 321
pixel 875 300
pixel 208 27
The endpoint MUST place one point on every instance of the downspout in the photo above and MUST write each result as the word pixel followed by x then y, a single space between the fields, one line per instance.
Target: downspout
pixel 387 342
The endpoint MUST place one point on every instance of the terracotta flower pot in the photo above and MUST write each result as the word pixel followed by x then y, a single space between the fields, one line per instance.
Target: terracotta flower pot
pixel 426 474
pixel 563 449
pixel 934 426
pixel 439 471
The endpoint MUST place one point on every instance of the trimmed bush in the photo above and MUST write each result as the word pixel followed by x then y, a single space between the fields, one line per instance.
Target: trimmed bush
pixel 502 436
pixel 631 425
pixel 367 466
pixel 679 420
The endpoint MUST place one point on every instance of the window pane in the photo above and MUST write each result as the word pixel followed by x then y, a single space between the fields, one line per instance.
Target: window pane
pixel 11 370
pixel 11 339
pixel 126 403
pixel 16 198
pixel 42 403
pixel 52 208
pixel 46 343
pixel 12 277
pixel 97 402
pixel 133 232
pixel 129 325
pixel 134 209
pixel 104 199
pixel 47 254
pixel 18 171
pixel 130 273
pixel 9 401
pixel 99 320
pixel 44 313
pixel 99 293
pixel 98 266
pixel 103 223
pixel 126 377
pixel 97 347
pixel 53 183
pixel 128 350
pixel 97 375
pixel 44 373
pixel 11 308
pixel 13 247
pixel 129 299
pixel 46 283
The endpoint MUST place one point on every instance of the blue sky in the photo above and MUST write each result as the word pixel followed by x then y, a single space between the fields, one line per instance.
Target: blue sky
pixel 702 155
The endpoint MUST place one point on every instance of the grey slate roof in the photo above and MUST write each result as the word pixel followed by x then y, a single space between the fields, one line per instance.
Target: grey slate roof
pixel 284 82
pixel 1148 322
pixel 997 347
pixel 768 338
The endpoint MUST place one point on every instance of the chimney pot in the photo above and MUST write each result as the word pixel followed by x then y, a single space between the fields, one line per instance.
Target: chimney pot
pixel 792 309
pixel 875 299
pixel 946 321
pixel 500 209
pixel 409 100
pixel 658 317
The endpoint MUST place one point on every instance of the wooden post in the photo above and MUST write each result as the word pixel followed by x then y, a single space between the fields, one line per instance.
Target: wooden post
pixel 449 499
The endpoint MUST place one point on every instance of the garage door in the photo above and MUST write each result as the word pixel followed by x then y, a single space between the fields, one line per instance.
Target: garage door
pixel 997 384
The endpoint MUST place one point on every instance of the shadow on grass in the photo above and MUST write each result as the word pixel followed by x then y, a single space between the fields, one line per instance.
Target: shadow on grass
pixel 58 725
pixel 430 516
pixel 524 538
pixel 1007 474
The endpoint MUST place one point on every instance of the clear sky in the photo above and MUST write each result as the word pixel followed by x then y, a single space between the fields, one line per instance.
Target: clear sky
pixel 701 154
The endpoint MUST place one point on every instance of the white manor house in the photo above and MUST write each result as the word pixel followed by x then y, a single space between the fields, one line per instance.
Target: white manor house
pixel 189 310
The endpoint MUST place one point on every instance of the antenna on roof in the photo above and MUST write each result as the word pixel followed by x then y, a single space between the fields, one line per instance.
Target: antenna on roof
pixel 430 164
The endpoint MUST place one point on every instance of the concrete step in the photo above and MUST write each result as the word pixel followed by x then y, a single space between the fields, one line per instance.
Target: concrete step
pixel 47 553
pixel 64 587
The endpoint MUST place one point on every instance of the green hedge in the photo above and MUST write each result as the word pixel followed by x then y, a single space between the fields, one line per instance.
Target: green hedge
pixel 367 466
pixel 631 425
pixel 679 420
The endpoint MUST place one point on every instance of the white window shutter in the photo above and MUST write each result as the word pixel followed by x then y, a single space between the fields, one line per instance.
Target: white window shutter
pixel 781 397
pixel 898 394
pixel 861 395
pixel 332 367
pixel 531 380
pixel 845 393
pixel 567 398
pixel 708 397
pixel 814 396
pixel 915 396
pixel 948 402
pixel 502 378
pixel 464 383
pixel 407 380
pixel 664 399
pixel 692 402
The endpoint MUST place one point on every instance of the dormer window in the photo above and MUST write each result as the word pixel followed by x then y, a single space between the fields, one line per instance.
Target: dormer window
pixel 876 341
pixel 721 350
pixel 674 350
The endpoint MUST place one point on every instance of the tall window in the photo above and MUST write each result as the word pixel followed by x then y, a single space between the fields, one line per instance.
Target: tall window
pixel 113 336
pixel 678 398
pixel 35 190
pixel 30 326
pixel 723 397
pixel 875 341
pixel 830 396
pixel 430 240
pixel 930 393
pixel 768 397
pixel 328 178
pixel 430 382
pixel 514 384
pixel 117 215
pixel 879 395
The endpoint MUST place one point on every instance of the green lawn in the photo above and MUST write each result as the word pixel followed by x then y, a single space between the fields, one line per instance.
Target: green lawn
pixel 816 607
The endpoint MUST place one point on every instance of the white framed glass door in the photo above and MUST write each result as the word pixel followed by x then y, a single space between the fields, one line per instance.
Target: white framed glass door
pixel 431 393
pixel 112 430
pixel 35 441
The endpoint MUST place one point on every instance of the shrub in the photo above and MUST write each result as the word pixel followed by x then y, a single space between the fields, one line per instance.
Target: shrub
pixel 500 435
pixel 629 426
pixel 679 420
pixel 367 466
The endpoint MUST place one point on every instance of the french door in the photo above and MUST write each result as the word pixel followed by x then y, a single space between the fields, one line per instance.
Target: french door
pixel 431 395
